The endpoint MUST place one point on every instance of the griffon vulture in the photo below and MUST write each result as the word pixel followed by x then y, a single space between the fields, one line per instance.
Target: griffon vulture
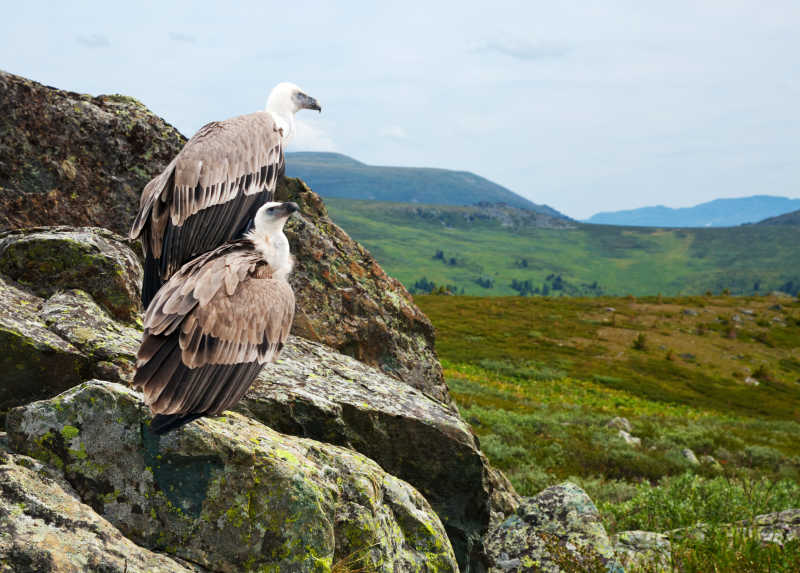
pixel 215 323
pixel 210 191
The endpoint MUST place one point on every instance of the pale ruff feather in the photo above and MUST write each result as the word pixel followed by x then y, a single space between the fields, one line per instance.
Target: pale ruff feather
pixel 274 248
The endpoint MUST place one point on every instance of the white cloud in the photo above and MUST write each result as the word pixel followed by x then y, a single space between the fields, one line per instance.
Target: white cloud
pixel 93 41
pixel 180 37
pixel 394 132
pixel 308 137
pixel 521 49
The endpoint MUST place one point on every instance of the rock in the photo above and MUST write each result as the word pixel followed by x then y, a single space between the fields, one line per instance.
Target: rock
pixel 750 381
pixel 48 346
pixel 95 260
pixel 229 493
pixel 34 362
pixel 689 312
pixel 779 527
pixel 44 528
pixel 736 318
pixel 747 311
pixel 557 530
pixel 619 423
pixel 611 309
pixel 73 159
pixel 711 462
pixel 690 457
pixel 643 550
pixel 630 440
pixel 315 392
pixel 347 302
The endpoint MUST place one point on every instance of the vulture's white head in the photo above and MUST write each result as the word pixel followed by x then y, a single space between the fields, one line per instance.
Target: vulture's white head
pixel 284 101
pixel 268 238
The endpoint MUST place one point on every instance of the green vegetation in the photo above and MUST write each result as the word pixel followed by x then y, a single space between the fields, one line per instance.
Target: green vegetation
pixel 337 175
pixel 534 257
pixel 539 379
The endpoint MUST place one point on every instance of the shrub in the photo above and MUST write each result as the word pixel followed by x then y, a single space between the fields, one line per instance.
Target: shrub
pixel 640 342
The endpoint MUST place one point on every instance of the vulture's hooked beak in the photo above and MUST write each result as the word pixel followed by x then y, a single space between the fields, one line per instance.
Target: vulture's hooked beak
pixel 308 102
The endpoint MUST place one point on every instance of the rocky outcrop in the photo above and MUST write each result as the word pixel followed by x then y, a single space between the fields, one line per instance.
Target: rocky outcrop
pixel 557 530
pixel 318 393
pixel 50 259
pixel 643 550
pixel 44 528
pixel 346 301
pixel 48 345
pixel 230 493
pixel 72 159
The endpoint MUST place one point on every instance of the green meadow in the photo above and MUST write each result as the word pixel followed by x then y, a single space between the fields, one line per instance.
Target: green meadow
pixel 474 255
pixel 539 379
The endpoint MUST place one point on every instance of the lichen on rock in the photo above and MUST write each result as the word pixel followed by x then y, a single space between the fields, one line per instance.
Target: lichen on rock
pixel 315 392
pixel 95 260
pixel 230 493
pixel 557 530
pixel 346 301
pixel 44 528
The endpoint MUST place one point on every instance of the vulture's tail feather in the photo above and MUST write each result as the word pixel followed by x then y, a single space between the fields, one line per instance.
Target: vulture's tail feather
pixel 152 280
pixel 162 423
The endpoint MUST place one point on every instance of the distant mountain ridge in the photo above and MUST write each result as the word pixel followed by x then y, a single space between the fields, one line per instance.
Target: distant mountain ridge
pixel 337 175
pixel 716 213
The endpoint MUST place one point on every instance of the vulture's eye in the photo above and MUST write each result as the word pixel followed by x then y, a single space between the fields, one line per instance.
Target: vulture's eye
pixel 271 209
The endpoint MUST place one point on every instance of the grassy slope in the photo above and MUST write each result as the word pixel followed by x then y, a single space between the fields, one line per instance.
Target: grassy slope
pixel 712 342
pixel 538 379
pixel 336 175
pixel 622 260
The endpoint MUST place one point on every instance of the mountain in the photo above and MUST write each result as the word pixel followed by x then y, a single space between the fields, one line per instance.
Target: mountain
pixel 716 213
pixel 337 175
pixel 792 218
pixel 478 252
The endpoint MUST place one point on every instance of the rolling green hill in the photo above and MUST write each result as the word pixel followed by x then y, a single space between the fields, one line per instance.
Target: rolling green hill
pixel 336 175
pixel 792 218
pixel 481 255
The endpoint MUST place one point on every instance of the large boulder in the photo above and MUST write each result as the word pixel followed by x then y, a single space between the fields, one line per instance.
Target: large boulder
pixel 44 528
pixel 318 393
pixel 34 362
pixel 346 301
pixel 50 259
pixel 230 493
pixel 49 345
pixel 72 159
pixel 557 530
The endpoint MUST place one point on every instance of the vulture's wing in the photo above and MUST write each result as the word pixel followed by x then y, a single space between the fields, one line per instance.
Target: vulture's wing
pixel 207 194
pixel 209 331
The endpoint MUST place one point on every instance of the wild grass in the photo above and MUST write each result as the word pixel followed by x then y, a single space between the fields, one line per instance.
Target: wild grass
pixel 539 380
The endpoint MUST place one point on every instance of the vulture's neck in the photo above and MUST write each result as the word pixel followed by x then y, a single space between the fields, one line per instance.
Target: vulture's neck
pixel 284 119
pixel 273 246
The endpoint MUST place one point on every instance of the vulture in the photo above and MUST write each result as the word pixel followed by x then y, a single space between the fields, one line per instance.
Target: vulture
pixel 215 323
pixel 211 190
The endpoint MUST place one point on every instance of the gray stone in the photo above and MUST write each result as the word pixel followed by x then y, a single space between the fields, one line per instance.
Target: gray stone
pixel 620 423
pixel 645 550
pixel 44 528
pixel 229 493
pixel 95 260
pixel 630 440
pixel 557 530
pixel 315 392
pixel 690 456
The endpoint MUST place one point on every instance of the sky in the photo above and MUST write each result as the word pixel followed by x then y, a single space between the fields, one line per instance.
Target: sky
pixel 584 106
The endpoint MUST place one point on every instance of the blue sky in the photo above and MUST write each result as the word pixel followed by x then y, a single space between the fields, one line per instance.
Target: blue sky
pixel 585 106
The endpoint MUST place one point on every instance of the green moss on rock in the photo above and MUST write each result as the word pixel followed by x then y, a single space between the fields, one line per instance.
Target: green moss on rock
pixel 229 491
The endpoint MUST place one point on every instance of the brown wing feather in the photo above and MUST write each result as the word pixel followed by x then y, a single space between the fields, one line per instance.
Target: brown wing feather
pixel 208 193
pixel 210 329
